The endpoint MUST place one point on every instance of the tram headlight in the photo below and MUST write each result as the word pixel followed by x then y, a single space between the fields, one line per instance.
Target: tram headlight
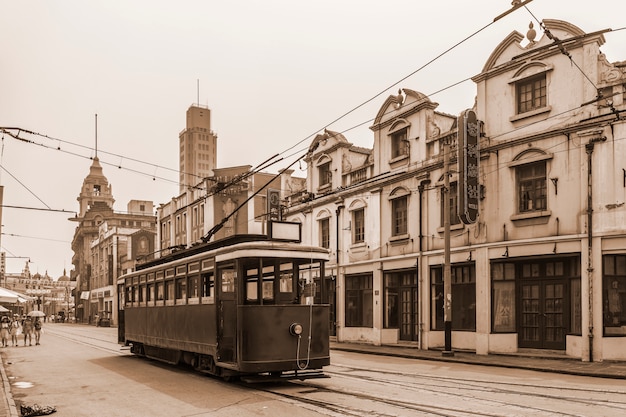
pixel 295 329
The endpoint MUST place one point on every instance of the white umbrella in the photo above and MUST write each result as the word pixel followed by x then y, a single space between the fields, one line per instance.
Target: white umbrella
pixel 36 313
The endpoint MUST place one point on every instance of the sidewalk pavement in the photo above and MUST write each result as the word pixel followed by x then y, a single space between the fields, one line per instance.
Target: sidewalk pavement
pixel 547 361
pixel 541 361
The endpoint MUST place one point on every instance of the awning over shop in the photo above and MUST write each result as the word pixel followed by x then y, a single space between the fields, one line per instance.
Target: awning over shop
pixel 12 297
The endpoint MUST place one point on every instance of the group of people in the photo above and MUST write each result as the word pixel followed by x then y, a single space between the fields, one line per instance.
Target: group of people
pixel 12 327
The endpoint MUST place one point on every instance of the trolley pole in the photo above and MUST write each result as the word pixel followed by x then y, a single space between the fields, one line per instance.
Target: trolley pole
pixel 447 283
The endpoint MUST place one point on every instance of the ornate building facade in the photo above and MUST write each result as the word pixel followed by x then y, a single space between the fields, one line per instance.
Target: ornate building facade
pixel 106 243
pixel 543 267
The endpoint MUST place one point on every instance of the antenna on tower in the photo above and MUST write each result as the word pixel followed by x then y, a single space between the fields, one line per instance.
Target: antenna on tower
pixel 96 135
pixel 198 91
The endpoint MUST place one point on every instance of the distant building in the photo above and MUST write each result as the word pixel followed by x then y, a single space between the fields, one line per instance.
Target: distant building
pixel 198 148
pixel 106 243
pixel 41 292
pixel 190 217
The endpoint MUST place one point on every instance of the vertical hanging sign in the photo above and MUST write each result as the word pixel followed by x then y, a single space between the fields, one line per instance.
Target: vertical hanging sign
pixel 468 157
pixel 273 204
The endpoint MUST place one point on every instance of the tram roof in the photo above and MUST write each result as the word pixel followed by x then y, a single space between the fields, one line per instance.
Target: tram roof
pixel 212 246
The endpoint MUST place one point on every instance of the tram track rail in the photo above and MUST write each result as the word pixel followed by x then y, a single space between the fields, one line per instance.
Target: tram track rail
pixel 376 392
pixel 433 395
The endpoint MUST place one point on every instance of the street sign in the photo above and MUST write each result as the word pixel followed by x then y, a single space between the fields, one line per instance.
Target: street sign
pixel 468 157
pixel 273 204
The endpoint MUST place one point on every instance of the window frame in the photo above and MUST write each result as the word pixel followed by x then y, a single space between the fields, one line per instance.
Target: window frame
pixel 399 143
pixel 359 306
pixel 325 175
pixel 528 185
pixel 463 277
pixel 324 232
pixel 453 196
pixel 358 225
pixel 400 216
pixel 614 295
pixel 531 93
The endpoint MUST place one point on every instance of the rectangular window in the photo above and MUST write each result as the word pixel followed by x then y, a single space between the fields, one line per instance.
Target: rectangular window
pixel 194 287
pixel 252 283
pixel 229 280
pixel 325 174
pixel 503 297
pixel 325 233
pixel 399 143
pixel 399 216
pixel 160 291
pixel 358 226
pixel 614 294
pixel 453 196
pixel 531 94
pixel 463 281
pixel 181 288
pixel 170 290
pixel 207 289
pixel 531 187
pixel 359 301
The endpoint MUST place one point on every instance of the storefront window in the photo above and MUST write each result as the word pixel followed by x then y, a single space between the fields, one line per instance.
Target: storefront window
pixel 614 294
pixel 463 281
pixel 359 301
pixel 503 297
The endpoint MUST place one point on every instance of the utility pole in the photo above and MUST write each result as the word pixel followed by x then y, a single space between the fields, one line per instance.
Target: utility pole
pixel 447 275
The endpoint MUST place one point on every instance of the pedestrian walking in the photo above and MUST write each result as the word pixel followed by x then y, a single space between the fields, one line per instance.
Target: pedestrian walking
pixel 27 329
pixel 37 327
pixel 16 329
pixel 5 323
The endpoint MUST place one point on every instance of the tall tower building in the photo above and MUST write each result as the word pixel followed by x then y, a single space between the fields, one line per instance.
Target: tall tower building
pixel 198 148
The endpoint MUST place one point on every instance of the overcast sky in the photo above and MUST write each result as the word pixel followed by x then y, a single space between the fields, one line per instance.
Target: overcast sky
pixel 273 73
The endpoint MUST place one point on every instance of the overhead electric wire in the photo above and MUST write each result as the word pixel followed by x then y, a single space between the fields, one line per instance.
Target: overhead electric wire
pixel 523 4
pixel 27 189
pixel 401 79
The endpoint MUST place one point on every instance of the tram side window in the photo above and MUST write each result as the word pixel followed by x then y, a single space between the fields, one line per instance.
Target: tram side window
pixel 135 293
pixel 268 282
pixel 150 293
pixel 129 296
pixel 160 291
pixel 194 287
pixel 181 288
pixel 170 292
pixel 208 287
pixel 142 293
pixel 286 278
pixel 252 284
pixel 229 279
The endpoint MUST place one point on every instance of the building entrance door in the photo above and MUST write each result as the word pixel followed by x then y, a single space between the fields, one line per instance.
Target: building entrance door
pixel 543 314
pixel 408 313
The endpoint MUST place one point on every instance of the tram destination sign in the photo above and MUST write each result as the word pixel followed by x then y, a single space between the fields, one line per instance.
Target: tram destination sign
pixel 468 158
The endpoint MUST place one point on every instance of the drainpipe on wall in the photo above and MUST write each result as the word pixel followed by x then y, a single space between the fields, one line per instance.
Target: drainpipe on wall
pixel 420 325
pixel 337 214
pixel 589 149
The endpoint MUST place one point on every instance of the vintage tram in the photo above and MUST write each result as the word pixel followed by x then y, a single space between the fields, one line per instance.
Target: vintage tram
pixel 239 306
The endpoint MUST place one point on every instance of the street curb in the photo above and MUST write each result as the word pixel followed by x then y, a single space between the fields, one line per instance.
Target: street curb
pixel 528 367
pixel 9 401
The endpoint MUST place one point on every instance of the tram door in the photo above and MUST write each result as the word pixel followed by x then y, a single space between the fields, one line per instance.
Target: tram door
pixel 227 313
